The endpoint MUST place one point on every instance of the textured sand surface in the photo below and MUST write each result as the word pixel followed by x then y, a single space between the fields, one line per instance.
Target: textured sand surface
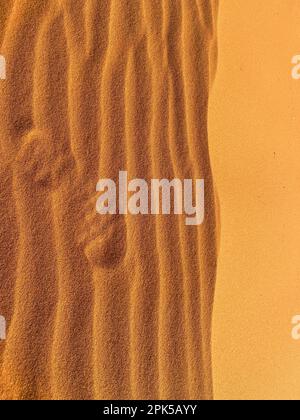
pixel 112 307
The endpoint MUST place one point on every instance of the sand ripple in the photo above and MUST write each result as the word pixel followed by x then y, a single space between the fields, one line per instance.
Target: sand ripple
pixel 97 308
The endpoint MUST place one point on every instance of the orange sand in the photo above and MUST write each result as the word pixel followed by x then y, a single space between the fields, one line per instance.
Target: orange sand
pixel 104 308
pixel 255 149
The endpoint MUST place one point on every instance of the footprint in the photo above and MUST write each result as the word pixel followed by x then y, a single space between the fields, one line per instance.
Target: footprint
pixel 37 163
pixel 103 237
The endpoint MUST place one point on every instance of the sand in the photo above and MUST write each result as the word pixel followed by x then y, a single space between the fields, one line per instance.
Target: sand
pixel 104 307
pixel 254 144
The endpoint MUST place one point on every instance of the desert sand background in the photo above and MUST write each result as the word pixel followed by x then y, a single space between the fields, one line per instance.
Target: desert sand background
pixel 117 307
pixel 255 149
pixel 122 308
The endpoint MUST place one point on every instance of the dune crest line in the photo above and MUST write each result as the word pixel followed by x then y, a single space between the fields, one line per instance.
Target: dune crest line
pixel 117 306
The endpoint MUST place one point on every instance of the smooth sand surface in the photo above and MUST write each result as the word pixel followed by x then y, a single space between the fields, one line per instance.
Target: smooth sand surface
pixel 255 149
pixel 113 307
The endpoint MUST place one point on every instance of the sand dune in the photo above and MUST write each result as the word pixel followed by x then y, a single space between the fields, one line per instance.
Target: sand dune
pixel 113 307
